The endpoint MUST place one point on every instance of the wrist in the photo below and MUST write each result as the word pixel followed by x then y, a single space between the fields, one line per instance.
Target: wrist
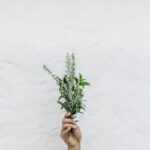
pixel 74 147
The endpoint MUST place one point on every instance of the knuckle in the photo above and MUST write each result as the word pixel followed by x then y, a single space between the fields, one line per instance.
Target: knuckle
pixel 64 125
pixel 70 121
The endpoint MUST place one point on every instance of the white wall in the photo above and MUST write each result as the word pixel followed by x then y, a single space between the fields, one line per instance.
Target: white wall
pixel 111 40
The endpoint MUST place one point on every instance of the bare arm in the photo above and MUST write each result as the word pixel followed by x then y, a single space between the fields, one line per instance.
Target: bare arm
pixel 70 133
pixel 77 147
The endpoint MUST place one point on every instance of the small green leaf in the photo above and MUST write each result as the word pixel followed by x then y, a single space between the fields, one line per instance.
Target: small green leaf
pixel 84 83
pixel 83 107
pixel 60 97
pixel 64 79
pixel 80 76
pixel 76 79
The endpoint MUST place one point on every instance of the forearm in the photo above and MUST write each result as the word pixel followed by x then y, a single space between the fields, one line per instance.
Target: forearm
pixel 76 147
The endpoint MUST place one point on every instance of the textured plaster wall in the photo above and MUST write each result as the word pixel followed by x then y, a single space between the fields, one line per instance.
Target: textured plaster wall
pixel 111 40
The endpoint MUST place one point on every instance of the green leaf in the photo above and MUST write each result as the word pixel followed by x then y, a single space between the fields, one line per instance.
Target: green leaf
pixel 80 76
pixel 83 107
pixel 84 83
pixel 62 106
pixel 76 79
pixel 64 79
pixel 60 97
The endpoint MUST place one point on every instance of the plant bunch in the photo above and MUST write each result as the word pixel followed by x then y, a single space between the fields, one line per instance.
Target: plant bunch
pixel 70 87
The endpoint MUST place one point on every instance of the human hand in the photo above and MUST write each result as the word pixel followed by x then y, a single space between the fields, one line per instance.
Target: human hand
pixel 70 132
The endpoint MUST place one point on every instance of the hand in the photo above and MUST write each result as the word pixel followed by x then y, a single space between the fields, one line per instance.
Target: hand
pixel 70 131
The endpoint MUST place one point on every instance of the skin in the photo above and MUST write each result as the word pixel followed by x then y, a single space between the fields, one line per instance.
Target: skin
pixel 70 133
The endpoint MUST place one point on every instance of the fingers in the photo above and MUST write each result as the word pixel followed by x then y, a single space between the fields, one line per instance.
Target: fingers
pixel 68 120
pixel 77 133
pixel 67 115
pixel 66 131
pixel 68 126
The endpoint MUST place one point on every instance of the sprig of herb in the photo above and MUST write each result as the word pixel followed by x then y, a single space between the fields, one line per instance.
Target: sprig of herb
pixel 71 87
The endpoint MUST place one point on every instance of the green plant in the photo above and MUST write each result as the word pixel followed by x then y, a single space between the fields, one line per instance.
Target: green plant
pixel 71 88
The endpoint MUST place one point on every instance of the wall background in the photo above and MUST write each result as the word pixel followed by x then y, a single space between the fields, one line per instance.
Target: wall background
pixel 111 41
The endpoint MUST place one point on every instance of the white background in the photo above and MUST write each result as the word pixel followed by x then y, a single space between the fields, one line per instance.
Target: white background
pixel 111 41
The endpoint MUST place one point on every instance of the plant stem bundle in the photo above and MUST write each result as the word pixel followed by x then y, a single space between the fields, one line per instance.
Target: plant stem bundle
pixel 70 87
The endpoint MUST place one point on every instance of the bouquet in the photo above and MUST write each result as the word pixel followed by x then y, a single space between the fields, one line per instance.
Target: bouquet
pixel 71 87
